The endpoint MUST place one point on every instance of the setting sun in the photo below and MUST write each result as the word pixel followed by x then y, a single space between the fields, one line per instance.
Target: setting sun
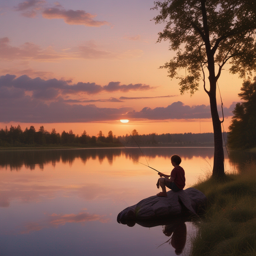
pixel 124 121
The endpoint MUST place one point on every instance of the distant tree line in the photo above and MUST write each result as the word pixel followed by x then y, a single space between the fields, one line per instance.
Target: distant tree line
pixel 30 137
pixel 185 139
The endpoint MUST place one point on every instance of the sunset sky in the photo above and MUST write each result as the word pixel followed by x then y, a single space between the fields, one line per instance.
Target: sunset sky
pixel 84 65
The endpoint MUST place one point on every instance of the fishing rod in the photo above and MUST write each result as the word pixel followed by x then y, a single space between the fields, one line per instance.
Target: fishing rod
pixel 145 156
pixel 151 167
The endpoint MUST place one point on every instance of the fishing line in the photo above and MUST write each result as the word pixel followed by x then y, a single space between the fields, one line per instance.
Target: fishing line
pixel 223 137
pixel 144 156
pixel 140 149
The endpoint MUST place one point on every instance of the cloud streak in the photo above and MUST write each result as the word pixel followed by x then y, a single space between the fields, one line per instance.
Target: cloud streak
pixel 27 51
pixel 145 98
pixel 55 220
pixel 92 101
pixel 88 50
pixel 120 99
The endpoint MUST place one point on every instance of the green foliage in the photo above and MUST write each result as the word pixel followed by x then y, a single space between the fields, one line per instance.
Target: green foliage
pixel 208 33
pixel 230 219
pixel 243 127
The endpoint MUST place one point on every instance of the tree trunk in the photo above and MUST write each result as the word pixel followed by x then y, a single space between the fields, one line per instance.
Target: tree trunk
pixel 218 165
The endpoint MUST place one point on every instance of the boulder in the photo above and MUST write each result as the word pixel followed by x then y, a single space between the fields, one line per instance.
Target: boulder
pixel 182 203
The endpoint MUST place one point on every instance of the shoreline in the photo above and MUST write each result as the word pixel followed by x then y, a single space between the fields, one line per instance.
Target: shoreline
pixel 229 224
pixel 3 148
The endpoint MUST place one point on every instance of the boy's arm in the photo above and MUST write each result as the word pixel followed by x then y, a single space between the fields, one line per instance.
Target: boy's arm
pixel 163 175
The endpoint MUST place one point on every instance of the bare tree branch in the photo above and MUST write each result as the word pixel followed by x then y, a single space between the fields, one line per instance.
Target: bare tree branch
pixel 226 58
pixel 202 67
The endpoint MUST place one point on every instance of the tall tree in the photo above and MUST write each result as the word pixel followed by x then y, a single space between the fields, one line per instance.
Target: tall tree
pixel 205 35
pixel 110 137
pixel 243 127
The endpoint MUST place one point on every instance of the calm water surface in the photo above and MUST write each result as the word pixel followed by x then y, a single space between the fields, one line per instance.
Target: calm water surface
pixel 65 202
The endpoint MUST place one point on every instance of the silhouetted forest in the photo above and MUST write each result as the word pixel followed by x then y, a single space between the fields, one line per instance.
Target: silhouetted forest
pixel 185 139
pixel 15 137
pixel 30 137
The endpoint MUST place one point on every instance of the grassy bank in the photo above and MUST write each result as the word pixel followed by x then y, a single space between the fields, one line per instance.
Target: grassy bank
pixel 229 225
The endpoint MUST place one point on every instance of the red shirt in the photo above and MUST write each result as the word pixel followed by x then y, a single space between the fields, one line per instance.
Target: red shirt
pixel 178 176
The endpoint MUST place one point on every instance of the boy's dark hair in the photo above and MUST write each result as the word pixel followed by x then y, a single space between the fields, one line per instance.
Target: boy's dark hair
pixel 176 159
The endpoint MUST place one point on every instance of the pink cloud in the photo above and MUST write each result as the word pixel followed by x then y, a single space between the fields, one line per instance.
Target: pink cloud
pixel 62 219
pixel 55 87
pixel 78 17
pixel 20 192
pixel 29 8
pixel 55 220
pixel 177 110
pixel 26 51
pixel 28 4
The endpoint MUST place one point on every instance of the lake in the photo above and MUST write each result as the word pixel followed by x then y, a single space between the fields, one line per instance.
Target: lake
pixel 65 202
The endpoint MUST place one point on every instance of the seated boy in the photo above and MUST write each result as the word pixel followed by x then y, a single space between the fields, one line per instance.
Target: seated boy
pixel 175 181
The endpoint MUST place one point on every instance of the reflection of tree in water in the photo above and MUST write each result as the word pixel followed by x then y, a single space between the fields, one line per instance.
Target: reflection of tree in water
pixel 242 159
pixel 17 159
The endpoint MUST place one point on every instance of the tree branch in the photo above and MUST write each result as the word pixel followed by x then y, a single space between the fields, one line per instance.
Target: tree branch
pixel 221 66
pixel 233 32
pixel 225 61
pixel 213 50
pixel 202 67
pixel 198 30
pixel 204 80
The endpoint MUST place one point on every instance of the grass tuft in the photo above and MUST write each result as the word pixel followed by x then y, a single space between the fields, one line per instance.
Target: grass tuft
pixel 229 224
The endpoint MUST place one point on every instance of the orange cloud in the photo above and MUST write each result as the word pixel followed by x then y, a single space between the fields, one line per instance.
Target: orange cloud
pixel 78 17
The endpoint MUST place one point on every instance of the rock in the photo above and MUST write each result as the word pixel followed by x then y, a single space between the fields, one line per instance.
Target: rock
pixel 182 203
